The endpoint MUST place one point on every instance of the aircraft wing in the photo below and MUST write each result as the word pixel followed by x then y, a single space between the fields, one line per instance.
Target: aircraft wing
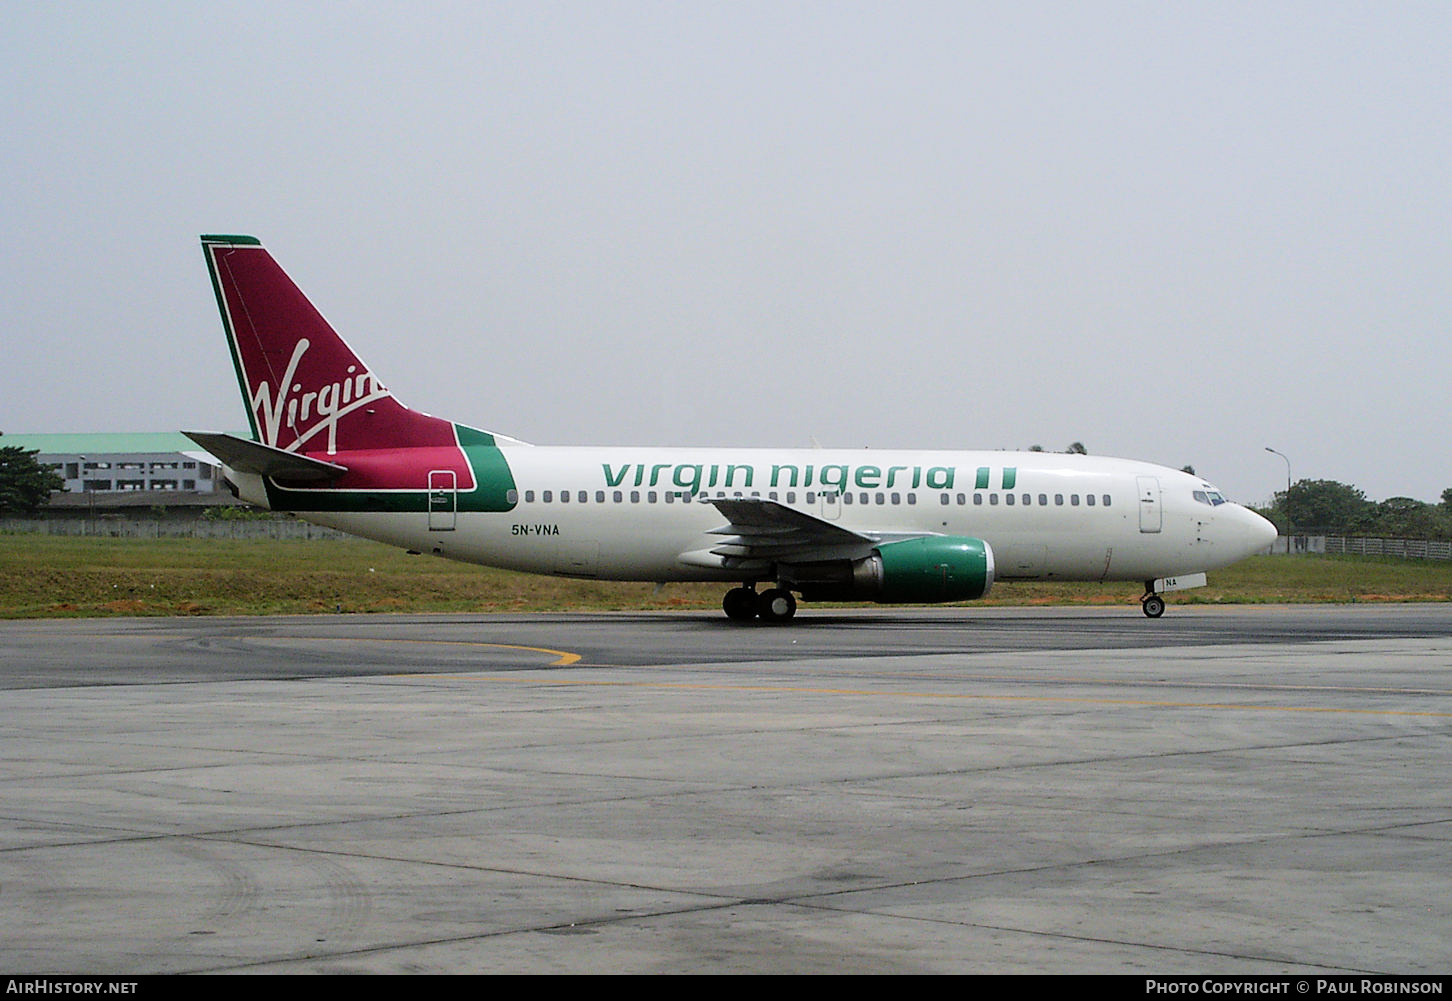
pixel 264 460
pixel 765 530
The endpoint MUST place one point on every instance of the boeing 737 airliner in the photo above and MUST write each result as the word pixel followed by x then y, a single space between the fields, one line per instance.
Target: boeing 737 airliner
pixel 333 445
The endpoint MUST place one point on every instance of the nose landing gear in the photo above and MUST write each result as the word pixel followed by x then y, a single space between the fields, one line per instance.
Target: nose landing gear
pixel 1151 603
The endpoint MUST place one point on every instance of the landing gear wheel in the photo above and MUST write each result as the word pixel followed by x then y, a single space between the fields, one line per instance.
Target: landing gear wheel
pixel 1154 605
pixel 776 605
pixel 740 604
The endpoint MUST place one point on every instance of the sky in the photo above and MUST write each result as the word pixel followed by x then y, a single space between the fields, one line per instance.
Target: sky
pixel 1179 232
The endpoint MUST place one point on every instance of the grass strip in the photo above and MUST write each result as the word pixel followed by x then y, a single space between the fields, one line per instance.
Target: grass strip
pixel 56 576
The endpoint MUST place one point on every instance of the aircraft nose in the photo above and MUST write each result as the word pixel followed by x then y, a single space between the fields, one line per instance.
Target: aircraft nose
pixel 1255 532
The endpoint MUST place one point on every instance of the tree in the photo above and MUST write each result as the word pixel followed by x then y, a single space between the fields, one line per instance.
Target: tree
pixel 1405 518
pixel 1077 449
pixel 24 483
pixel 1337 508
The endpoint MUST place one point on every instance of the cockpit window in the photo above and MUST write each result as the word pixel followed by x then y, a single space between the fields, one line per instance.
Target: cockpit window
pixel 1210 496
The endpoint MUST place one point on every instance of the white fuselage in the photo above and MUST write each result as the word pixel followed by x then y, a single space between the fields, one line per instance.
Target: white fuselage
pixel 634 513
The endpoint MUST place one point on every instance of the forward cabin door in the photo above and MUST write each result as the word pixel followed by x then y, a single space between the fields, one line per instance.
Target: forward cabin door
pixel 443 500
pixel 1151 517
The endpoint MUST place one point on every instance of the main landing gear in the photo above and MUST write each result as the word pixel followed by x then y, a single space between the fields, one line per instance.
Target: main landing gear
pixel 1153 604
pixel 742 604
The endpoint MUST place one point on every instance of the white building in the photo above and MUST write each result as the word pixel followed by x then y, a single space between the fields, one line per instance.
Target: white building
pixel 114 462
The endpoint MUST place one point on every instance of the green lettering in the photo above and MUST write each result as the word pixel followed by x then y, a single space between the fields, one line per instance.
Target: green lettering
pixel 693 483
pixel 615 479
pixel 731 471
pixel 776 472
pixel 868 477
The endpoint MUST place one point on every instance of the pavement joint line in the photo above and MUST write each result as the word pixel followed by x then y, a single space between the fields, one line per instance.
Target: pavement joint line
pixel 949 696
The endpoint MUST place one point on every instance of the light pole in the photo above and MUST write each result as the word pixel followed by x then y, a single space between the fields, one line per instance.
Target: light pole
pixel 1289 532
pixel 90 500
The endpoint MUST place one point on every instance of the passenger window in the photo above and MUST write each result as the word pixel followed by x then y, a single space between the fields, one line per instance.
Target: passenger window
pixel 1028 499
pixel 993 500
pixel 1043 500
pixel 912 498
pixel 549 495
pixel 943 499
pixel 1008 499
pixel 635 496
pixel 1058 500
pixel 962 500
pixel 599 497
pixel 896 499
pixel 650 496
pixel 978 499
pixel 881 498
pixel 670 496
pixel 1089 499
pixel 811 497
pixel 1106 500
pixel 529 496
pixel 1073 500
pixel 618 497
pixel 512 496
pixel 846 498
pixel 564 497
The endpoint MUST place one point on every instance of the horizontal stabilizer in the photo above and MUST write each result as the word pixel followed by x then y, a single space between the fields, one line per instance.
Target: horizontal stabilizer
pixel 264 460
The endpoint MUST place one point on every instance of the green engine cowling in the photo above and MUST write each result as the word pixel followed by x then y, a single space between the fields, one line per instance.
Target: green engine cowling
pixel 930 569
pixel 914 571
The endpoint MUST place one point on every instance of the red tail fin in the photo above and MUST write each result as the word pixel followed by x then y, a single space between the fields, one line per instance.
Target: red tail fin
pixel 306 390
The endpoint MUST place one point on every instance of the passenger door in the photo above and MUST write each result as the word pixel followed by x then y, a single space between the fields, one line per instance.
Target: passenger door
pixel 1151 517
pixel 443 499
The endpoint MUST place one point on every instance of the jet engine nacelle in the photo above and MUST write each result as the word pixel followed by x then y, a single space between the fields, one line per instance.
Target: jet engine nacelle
pixel 915 571
pixel 932 568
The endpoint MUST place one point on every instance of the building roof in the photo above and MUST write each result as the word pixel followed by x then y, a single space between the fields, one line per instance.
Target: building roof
pixel 101 443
